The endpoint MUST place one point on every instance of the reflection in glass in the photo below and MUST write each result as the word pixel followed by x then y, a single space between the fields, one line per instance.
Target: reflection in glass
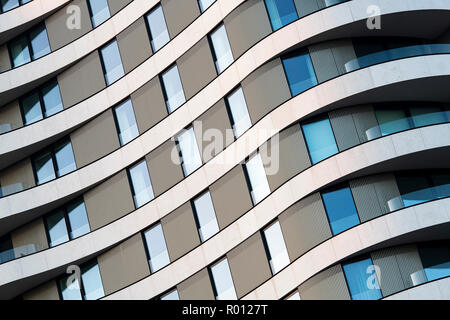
pixel 64 158
pixel 189 151
pixel 435 259
pixel 92 282
pixel 222 281
pixel 205 4
pixel 79 224
pixel 126 122
pixel 239 112
pixel 392 120
pixel 39 42
pixel 320 140
pixel 360 282
pixel 20 52
pixel 99 11
pixel 52 98
pixel 173 295
pixel 300 73
pixel 340 209
pixel 206 216
pixel 141 184
pixel 257 178
pixel 223 56
pixel 31 108
pixel 158 28
pixel 43 165
pixel 156 246
pixel 173 89
pixel 57 228
pixel 281 12
pixel 112 62
pixel 276 247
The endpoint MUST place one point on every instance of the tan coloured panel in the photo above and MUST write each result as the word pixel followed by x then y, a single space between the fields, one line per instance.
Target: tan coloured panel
pixel 197 287
pixel 5 62
pixel 196 68
pixel 265 89
pixel 179 14
pixel 214 123
pixel 149 105
pixel 10 117
pixel 124 264
pixel 81 80
pixel 29 239
pixel 47 291
pixel 134 45
pixel 249 265
pixel 180 231
pixel 247 25
pixel 17 177
pixel 164 173
pixel 230 196
pixel 95 139
pixel 116 5
pixel 109 201
pixel 59 34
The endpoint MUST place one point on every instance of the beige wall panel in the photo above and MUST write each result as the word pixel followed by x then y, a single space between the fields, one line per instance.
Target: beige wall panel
pixel 134 45
pixel 304 225
pixel 164 173
pixel 17 177
pixel 179 14
pixel 5 62
pixel 230 196
pixel 81 80
pixel 123 264
pixel 249 265
pixel 10 117
pixel 330 284
pixel 29 239
pixel 196 68
pixel 95 139
pixel 197 287
pixel 246 25
pixel 265 89
pixel 109 201
pixel 216 118
pixel 149 105
pixel 293 156
pixel 180 231
pixel 116 5
pixel 58 33
pixel 47 291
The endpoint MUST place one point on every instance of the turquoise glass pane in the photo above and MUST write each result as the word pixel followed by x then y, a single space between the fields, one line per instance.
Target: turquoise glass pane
pixel 300 73
pixel 281 12
pixel 341 209
pixel 320 140
pixel 360 282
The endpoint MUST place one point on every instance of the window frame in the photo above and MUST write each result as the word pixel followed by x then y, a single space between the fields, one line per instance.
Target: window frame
pixel 212 280
pixel 146 247
pixel 266 244
pixel 213 50
pixel 163 87
pixel 293 54
pixel 91 15
pixel 149 30
pixel 194 210
pixel 366 256
pixel 270 19
pixel 116 120
pixel 130 181
pixel 180 153
pixel 230 113
pixel 102 62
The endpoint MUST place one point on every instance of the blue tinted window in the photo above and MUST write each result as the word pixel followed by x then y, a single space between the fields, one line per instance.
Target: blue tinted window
pixel 52 98
pixel 57 228
pixel 112 62
pixel 43 166
pixel 126 122
pixel 9 4
pixel 362 281
pixel 39 42
pixel 158 29
pixel 77 216
pixel 414 189
pixel 64 158
pixel 392 120
pixel 20 52
pixel 238 112
pixel 281 12
pixel 31 108
pixel 205 4
pixel 441 183
pixel 70 290
pixel 300 73
pixel 424 116
pixel 173 295
pixel 6 249
pixel 223 56
pixel 320 140
pixel 92 282
pixel 340 209
pixel 223 281
pixel 156 248
pixel 173 89
pixel 99 11
pixel 141 184
pixel 435 260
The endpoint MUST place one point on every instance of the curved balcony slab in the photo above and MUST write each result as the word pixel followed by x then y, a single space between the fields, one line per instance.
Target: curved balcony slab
pixel 343 20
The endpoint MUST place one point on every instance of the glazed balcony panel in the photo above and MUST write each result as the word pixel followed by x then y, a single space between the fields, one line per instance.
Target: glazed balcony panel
pixel 436 290
pixel 102 97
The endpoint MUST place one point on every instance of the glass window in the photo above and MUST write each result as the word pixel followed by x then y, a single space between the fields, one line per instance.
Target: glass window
pixel 222 281
pixel 414 189
pixel 43 166
pixel 20 52
pixel 57 228
pixel 281 12
pixel 92 282
pixel 70 291
pixel 435 260
pixel 205 4
pixel 172 295
pixel 6 249
pixel 206 216
pixel 112 62
pixel 293 296
pixel 359 275
pixel 392 120
pixel 441 183
pixel 9 4
pixel 239 112
pixel 159 35
pixel 31 108
pixel 257 178
pixel 340 209
pixel 99 11
pixel 425 116
pixel 65 161
pixel 141 184
pixel 52 98
pixel 78 220
pixel 276 247
pixel 39 42
pixel 173 89
pixel 223 56
pixel 156 248
pixel 190 155
pixel 67 223
pixel 126 122
pixel 320 140
pixel 300 73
